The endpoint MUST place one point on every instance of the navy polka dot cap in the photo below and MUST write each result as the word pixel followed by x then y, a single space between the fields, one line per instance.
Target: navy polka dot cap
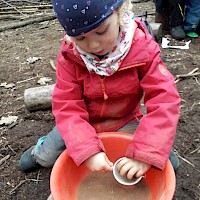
pixel 81 16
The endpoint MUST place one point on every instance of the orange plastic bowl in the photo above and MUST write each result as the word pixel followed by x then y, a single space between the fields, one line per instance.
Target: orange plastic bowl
pixel 66 176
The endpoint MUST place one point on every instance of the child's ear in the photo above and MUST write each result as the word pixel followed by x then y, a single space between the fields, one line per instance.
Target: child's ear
pixel 68 39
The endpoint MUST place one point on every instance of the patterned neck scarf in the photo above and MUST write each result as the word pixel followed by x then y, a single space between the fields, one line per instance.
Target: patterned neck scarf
pixel 111 62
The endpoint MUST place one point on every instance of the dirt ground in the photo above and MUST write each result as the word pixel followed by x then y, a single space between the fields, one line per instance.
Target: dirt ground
pixel 42 40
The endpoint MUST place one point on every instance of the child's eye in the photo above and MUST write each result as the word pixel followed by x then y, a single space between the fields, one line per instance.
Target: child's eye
pixel 102 32
pixel 80 39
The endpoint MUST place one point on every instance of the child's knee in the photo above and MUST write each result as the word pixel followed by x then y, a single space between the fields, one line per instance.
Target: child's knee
pixel 47 151
pixel 44 157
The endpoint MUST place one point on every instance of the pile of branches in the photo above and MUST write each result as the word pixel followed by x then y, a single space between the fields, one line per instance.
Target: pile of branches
pixel 24 12
pixel 5 3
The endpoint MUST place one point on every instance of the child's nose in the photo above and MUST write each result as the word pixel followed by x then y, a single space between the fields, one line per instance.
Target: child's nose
pixel 94 44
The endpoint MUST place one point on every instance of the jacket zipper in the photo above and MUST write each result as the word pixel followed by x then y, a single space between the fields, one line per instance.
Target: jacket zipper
pixel 103 89
pixel 105 96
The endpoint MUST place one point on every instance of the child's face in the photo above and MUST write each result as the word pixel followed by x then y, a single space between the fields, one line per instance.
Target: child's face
pixel 100 40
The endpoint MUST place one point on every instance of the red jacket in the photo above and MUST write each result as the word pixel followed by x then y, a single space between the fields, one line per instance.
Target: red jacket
pixel 85 104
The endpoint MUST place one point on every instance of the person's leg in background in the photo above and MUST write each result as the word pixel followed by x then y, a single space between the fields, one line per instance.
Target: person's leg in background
pixel 170 13
pixel 198 29
pixel 160 15
pixel 192 17
pixel 176 15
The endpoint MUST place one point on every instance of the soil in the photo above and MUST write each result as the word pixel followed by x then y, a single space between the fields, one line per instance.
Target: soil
pixel 42 40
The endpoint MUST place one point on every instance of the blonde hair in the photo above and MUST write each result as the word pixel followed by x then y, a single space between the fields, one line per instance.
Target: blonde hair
pixel 123 9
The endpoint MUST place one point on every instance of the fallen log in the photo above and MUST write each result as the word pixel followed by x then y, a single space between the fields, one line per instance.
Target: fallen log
pixel 2 17
pixel 45 6
pixel 27 22
pixel 38 98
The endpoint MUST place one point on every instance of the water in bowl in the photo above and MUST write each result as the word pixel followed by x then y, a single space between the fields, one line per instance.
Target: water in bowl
pixel 99 186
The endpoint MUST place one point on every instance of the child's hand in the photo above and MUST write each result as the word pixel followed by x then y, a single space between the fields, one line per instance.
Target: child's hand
pixel 99 163
pixel 131 167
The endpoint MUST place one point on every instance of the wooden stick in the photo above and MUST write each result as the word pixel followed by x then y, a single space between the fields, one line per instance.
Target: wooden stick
pixel 52 64
pixel 27 22
pixel 193 71
pixel 188 162
pixel 197 149
pixel 22 182
pixel 27 80
pixel 4 159
pixel 188 75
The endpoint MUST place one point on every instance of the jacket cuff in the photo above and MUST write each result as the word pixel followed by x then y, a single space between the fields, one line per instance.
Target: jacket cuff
pixel 82 157
pixel 147 157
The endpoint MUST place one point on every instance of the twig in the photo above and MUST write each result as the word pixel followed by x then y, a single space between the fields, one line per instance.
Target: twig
pixel 196 79
pixel 21 182
pixel 188 162
pixel 195 150
pixel 52 64
pixel 192 72
pixel 38 175
pixel 4 159
pixel 188 75
pixel 11 149
pixel 27 80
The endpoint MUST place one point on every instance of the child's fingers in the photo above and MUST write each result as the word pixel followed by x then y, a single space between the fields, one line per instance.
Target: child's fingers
pixel 125 168
pixel 142 171
pixel 109 162
pixel 132 172
pixel 121 164
pixel 108 167
pixel 139 173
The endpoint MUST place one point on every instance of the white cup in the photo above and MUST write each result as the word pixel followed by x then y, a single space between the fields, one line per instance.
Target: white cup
pixel 123 179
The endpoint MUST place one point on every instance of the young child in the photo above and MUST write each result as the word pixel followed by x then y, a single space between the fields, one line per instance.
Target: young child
pixel 106 64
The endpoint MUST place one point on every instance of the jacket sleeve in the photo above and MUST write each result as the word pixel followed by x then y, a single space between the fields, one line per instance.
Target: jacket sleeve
pixel 154 137
pixel 71 115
